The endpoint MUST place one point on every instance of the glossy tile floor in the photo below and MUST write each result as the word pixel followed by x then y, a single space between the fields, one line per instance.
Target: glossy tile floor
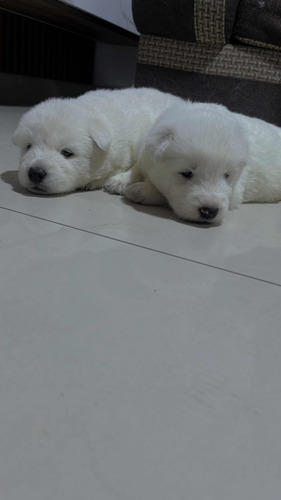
pixel 140 356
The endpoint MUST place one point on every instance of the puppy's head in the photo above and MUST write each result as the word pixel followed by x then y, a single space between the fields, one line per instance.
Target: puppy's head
pixel 196 153
pixel 60 146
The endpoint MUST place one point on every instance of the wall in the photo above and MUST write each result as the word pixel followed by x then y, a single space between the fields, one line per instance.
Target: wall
pixel 115 11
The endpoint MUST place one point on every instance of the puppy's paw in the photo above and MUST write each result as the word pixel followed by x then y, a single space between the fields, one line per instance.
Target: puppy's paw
pixel 145 194
pixel 117 184
pixel 94 185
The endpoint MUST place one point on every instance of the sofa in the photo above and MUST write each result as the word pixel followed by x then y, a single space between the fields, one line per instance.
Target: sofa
pixel 223 51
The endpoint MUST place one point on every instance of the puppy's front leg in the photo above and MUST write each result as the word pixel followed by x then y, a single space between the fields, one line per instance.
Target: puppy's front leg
pixel 145 194
pixel 119 182
pixel 96 184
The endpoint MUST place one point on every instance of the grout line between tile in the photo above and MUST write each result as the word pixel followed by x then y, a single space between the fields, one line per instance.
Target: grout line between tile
pixel 248 276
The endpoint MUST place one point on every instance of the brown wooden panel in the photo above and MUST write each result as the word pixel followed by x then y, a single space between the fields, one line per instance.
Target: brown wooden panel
pixel 72 19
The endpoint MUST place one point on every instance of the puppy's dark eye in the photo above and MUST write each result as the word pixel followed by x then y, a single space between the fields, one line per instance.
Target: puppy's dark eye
pixel 226 175
pixel 28 146
pixel 66 153
pixel 187 175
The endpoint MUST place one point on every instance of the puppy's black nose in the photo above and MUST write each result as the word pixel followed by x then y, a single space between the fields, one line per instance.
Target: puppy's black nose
pixel 36 174
pixel 208 213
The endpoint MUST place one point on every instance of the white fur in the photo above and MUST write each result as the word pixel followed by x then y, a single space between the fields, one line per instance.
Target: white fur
pixel 232 159
pixel 101 128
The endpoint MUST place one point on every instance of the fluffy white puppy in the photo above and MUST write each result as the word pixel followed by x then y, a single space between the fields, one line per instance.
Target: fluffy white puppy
pixel 203 160
pixel 85 143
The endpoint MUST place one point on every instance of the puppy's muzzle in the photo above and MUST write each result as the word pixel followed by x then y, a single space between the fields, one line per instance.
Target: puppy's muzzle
pixel 208 213
pixel 36 174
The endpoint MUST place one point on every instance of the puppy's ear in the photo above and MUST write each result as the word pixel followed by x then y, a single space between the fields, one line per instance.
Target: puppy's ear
pixel 100 134
pixel 19 137
pixel 159 141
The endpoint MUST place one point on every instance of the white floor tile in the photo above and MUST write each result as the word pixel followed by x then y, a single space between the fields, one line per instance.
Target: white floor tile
pixel 128 373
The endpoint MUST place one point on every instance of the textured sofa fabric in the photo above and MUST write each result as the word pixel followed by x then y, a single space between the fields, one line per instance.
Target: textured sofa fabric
pixel 226 51
pixel 259 23
pixel 178 18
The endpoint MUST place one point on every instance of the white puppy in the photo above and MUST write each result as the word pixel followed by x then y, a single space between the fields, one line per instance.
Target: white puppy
pixel 69 144
pixel 203 160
